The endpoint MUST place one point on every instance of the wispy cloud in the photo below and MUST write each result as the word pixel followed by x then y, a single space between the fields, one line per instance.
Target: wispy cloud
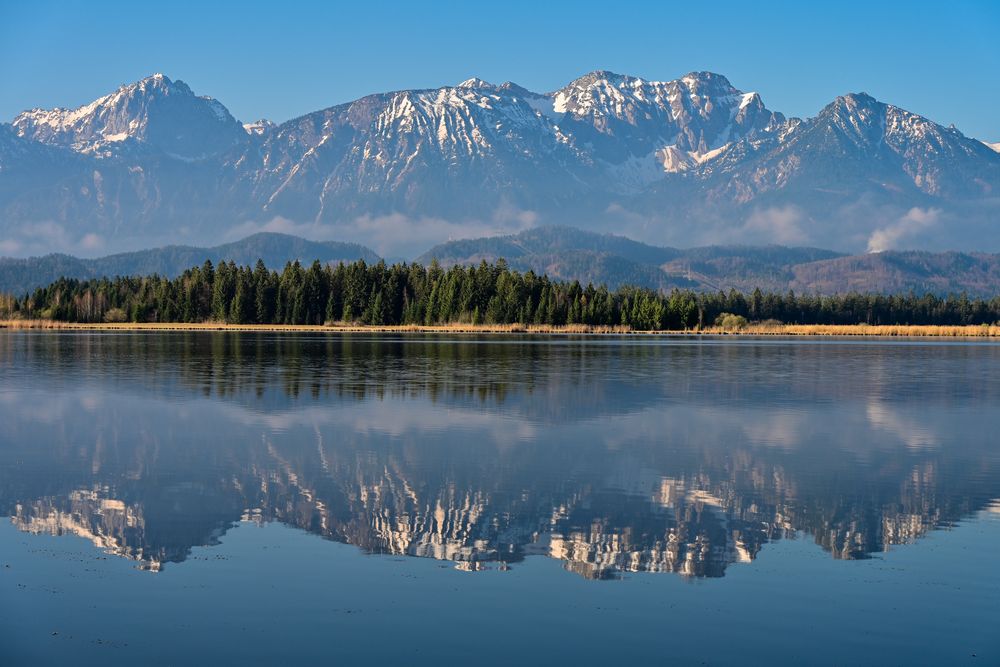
pixel 779 224
pixel 42 238
pixel 915 221
pixel 395 234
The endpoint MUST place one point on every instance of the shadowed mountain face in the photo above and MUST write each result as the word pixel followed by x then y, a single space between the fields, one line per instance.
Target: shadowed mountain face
pixel 636 456
pixel 692 161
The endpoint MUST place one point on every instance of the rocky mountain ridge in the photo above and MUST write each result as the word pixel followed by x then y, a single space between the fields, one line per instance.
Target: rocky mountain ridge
pixel 686 162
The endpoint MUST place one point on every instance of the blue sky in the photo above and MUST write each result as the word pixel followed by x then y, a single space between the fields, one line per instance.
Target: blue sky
pixel 280 60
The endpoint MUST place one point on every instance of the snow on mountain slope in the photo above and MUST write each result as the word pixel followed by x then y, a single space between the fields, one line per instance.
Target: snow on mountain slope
pixel 155 111
pixel 692 160
pixel 860 141
pixel 602 131
pixel 676 125
pixel 416 149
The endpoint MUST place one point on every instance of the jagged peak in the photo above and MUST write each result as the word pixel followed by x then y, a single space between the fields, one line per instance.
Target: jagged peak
pixel 852 101
pixel 751 99
pixel 259 127
pixel 158 82
pixel 705 78
pixel 696 83
pixel 154 82
pixel 515 89
pixel 853 109
pixel 475 82
pixel 599 75
pixel 136 113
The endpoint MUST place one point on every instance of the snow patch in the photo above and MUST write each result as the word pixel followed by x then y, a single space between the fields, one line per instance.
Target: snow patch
pixel 259 127
pixel 475 82
pixel 546 106
pixel 674 160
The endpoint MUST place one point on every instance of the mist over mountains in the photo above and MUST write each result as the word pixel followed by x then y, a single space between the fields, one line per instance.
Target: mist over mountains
pixel 684 163
pixel 565 253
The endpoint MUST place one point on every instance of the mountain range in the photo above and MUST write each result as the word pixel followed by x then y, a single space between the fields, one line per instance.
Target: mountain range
pixel 688 162
pixel 567 253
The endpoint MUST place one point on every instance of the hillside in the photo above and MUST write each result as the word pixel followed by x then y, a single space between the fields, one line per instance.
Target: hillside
pixel 20 275
pixel 566 253
pixel 573 254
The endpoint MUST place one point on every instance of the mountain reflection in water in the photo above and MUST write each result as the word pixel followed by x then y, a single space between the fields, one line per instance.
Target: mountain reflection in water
pixel 610 454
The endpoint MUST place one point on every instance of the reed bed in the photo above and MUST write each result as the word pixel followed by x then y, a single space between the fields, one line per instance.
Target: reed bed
pixel 904 330
pixel 24 324
pixel 901 330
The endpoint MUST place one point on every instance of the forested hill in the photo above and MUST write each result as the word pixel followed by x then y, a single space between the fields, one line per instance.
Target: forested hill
pixel 569 253
pixel 18 276
pixel 566 253
pixel 411 294
pixel 574 254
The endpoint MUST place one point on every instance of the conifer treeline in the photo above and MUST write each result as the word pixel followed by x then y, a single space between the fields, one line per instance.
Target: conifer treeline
pixel 486 294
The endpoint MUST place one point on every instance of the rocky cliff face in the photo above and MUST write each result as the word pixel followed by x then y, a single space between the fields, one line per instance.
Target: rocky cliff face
pixel 686 162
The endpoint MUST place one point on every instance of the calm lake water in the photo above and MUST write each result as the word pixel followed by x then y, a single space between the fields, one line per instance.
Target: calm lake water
pixel 225 498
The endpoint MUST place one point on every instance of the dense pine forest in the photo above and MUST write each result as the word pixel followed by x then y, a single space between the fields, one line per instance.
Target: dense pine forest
pixel 377 294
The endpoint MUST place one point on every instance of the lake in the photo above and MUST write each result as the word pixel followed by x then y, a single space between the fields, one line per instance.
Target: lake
pixel 235 498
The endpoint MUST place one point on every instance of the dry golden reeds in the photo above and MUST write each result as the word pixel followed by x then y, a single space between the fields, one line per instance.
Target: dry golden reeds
pixel 754 329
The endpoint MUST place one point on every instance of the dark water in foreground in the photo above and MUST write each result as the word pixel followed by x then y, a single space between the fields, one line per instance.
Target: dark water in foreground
pixel 239 498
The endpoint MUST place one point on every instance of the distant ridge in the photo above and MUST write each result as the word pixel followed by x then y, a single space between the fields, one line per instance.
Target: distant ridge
pixel 574 254
pixel 20 275
pixel 567 253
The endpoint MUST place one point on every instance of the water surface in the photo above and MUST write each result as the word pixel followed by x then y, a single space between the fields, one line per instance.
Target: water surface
pixel 354 499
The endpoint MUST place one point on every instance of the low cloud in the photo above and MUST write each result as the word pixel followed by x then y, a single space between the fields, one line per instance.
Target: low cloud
pixel 43 238
pixel 915 221
pixel 10 247
pixel 91 242
pixel 400 235
pixel 780 224
pixel 395 234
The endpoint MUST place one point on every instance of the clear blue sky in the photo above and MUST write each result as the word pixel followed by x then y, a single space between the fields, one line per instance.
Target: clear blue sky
pixel 280 60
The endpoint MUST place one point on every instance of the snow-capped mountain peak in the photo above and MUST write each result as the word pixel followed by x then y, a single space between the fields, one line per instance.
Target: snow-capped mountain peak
pixel 475 82
pixel 649 128
pixel 678 155
pixel 154 112
pixel 259 127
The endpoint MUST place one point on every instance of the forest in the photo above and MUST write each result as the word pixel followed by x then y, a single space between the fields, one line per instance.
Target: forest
pixel 413 294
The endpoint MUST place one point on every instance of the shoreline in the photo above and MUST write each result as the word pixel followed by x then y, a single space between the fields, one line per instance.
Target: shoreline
pixel 821 330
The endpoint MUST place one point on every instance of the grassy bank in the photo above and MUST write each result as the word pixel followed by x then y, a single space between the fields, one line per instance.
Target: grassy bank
pixel 972 331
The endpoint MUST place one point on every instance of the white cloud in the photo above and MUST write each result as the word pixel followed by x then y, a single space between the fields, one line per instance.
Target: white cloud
pixel 91 242
pixel 42 238
pixel 780 224
pixel 395 234
pixel 912 223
